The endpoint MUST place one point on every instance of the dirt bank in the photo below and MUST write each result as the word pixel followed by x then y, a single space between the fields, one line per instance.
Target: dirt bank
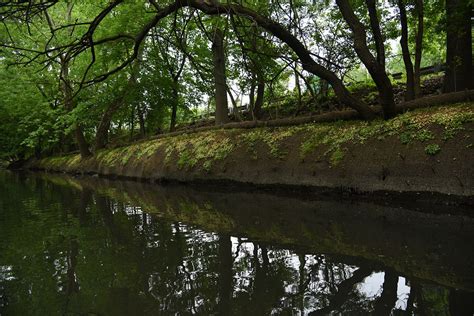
pixel 425 150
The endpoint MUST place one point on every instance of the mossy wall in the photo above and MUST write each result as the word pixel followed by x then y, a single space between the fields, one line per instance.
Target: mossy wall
pixel 423 150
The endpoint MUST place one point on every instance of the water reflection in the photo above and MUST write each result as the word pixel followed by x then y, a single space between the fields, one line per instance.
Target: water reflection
pixel 71 246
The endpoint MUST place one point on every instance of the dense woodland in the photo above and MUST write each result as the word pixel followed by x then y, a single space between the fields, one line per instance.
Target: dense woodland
pixel 83 75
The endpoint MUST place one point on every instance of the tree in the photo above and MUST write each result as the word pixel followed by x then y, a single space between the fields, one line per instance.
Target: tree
pixel 193 50
pixel 375 66
pixel 459 72
pixel 113 106
pixel 66 83
pixel 413 89
pixel 220 81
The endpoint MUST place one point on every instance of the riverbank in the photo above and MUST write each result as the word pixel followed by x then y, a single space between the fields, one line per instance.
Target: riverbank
pixel 426 150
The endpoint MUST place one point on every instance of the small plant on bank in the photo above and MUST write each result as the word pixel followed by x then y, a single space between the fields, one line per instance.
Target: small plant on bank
pixel 337 156
pixel 432 149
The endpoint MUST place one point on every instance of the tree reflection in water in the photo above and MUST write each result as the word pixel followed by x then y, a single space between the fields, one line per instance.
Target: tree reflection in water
pixel 72 251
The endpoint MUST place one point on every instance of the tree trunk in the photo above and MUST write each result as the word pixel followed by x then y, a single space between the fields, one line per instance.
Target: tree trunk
pixel 82 142
pixel 410 89
pixel 69 105
pixel 458 46
pixel 104 125
pixel 174 107
pixel 376 70
pixel 257 110
pixel 418 47
pixel 141 121
pixel 101 137
pixel 386 302
pixel 296 45
pixel 132 122
pixel 235 109
pixel 218 55
pixel 309 87
pixel 377 32
pixel 298 87
pixel 336 300
pixel 253 86
pixel 323 88
pixel 66 88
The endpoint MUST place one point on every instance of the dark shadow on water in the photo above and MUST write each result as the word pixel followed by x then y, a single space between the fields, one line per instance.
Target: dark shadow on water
pixel 75 246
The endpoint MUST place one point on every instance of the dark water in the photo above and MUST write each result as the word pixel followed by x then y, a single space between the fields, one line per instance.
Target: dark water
pixel 94 247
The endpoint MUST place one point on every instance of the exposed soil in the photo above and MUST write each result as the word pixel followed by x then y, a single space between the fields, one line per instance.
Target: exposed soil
pixel 411 153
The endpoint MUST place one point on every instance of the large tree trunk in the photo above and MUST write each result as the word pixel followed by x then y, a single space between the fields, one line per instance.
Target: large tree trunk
pixel 375 68
pixel 458 46
pixel 410 89
pixel 218 55
pixel 101 137
pixel 82 142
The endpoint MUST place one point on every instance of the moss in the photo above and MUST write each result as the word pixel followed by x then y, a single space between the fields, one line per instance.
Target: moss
pixel 409 127
pixel 330 140
pixel 204 148
pixel 207 165
pixel 432 149
pixel 421 135
pixel 337 156
pixel 148 149
pixel 272 137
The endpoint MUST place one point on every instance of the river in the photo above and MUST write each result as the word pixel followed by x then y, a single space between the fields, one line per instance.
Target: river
pixel 90 246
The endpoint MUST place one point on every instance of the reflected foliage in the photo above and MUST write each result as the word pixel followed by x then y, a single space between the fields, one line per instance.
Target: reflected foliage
pixel 69 250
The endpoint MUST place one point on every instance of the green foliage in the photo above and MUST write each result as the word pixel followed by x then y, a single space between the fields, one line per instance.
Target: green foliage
pixel 408 127
pixel 272 139
pixel 337 156
pixel 410 135
pixel 204 148
pixel 432 149
pixel 29 122
pixel 173 67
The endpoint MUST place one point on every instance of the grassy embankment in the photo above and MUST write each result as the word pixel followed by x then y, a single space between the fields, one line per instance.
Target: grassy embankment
pixel 430 128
